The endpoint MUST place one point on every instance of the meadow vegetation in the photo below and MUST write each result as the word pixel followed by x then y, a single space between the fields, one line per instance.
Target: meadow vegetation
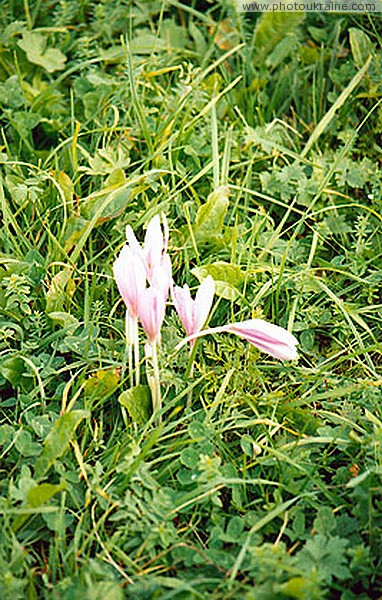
pixel 260 138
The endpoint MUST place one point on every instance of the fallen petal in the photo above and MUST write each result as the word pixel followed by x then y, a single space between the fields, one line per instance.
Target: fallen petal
pixel 267 337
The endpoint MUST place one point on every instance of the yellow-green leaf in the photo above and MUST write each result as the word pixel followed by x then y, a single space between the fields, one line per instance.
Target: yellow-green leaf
pixel 102 383
pixel 57 440
pixel 110 201
pixel 61 285
pixel 37 497
pixel 228 278
pixel 271 28
pixel 65 320
pixel 137 400
pixel 361 46
pixel 210 216
pixel 34 45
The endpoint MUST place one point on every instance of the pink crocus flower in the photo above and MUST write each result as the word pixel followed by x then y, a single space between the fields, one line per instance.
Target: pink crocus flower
pixel 267 337
pixel 151 311
pixel 130 276
pixel 194 312
pixel 154 252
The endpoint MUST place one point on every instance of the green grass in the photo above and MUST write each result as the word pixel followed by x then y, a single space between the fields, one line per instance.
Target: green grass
pixel 268 484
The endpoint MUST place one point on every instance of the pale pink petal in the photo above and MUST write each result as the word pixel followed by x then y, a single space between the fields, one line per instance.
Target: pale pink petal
pixel 167 266
pixel 267 337
pixel 184 307
pixel 130 277
pixel 161 276
pixel 203 302
pixel 153 246
pixel 151 311
pixel 133 243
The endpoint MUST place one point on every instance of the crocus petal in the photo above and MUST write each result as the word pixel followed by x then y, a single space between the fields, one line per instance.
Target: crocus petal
pixel 183 305
pixel 161 276
pixel 155 238
pixel 203 302
pixel 130 276
pixel 267 337
pixel 154 244
pixel 151 311
pixel 133 243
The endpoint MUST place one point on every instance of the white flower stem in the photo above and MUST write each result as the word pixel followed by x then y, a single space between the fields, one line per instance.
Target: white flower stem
pixel 156 393
pixel 136 352
pixel 191 374
pixel 190 370
pixel 129 347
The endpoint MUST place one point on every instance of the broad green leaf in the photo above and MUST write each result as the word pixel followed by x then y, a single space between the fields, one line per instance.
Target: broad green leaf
pixel 361 46
pixel 137 400
pixel 247 445
pixel 325 521
pixel 235 528
pixel 112 199
pixel 75 227
pixel 25 445
pixel 102 383
pixel 106 589
pixel 146 43
pixel 210 216
pixel 199 39
pixel 57 440
pixel 61 285
pixel 199 431
pixel 24 122
pixel 65 320
pixel 115 202
pixel 66 184
pixel 17 189
pixel 228 278
pixel 7 434
pixel 43 492
pixel 11 92
pixel 12 369
pixel 91 101
pixel 111 162
pixel 189 457
pixel 37 496
pixel 173 34
pixel 326 555
pixel 34 45
pixel 271 28
pixel 82 341
pixel 297 587
pixel 284 48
